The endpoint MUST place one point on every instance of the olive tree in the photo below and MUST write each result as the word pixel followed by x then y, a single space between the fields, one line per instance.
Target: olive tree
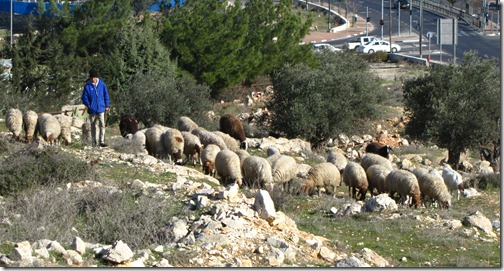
pixel 455 107
pixel 316 103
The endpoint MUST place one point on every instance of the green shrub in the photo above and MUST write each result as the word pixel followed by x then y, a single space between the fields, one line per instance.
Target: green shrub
pixel 376 57
pixel 486 181
pixel 318 103
pixel 165 99
pixel 98 215
pixel 30 166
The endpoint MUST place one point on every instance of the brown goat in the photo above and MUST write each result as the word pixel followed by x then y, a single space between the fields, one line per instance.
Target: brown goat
pixel 128 125
pixel 378 148
pixel 232 126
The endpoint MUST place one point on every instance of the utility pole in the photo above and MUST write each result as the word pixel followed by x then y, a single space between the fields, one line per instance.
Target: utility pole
pixel 367 17
pixel 399 20
pixel 390 25
pixel 381 21
pixel 410 16
pixel 329 17
pixel 11 13
pixel 421 26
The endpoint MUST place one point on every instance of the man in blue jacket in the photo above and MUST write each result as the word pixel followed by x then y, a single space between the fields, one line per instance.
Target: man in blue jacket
pixel 95 97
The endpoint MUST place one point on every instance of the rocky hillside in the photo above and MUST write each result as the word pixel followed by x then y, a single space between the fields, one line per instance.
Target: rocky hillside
pixel 232 227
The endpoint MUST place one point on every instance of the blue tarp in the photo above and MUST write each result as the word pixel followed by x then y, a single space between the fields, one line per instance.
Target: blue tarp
pixel 24 8
pixel 157 6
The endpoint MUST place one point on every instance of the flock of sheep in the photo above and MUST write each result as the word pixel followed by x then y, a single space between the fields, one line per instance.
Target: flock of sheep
pixel 224 154
pixel 52 129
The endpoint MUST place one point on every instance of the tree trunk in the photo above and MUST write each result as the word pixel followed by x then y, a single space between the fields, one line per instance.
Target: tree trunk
pixel 453 158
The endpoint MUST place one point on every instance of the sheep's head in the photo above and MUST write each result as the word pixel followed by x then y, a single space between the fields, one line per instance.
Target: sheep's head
pixel 178 157
pixel 461 187
pixel 307 187
pixel 244 145
pixel 415 200
pixel 446 204
pixel 208 167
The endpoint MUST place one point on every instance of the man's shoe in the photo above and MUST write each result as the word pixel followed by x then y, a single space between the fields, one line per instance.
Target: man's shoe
pixel 103 145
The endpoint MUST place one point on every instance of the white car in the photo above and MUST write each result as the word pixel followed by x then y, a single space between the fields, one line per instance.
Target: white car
pixel 318 47
pixel 379 45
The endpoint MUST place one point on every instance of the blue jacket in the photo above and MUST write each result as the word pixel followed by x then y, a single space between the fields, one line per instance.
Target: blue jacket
pixel 95 98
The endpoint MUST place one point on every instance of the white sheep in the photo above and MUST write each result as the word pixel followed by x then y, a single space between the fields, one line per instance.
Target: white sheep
pixel 338 159
pixel 257 173
pixel 283 169
pixel 186 124
pixel 405 184
pixel 324 175
pixel 432 185
pixel 138 142
pixel 242 154
pixel 86 133
pixel 208 159
pixel 453 180
pixel 29 124
pixel 372 159
pixel 207 137
pixel 173 143
pixel 153 141
pixel 14 122
pixel 227 165
pixel 65 123
pixel 48 127
pixel 273 153
pixel 192 148
pixel 354 176
pixel 419 171
pixel 376 175
pixel 230 142
pixel 272 150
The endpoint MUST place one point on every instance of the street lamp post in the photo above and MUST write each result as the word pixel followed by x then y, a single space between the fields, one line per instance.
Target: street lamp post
pixel 390 25
pixel 399 20
pixel 410 16
pixel 11 12
pixel 381 25
pixel 329 17
pixel 421 27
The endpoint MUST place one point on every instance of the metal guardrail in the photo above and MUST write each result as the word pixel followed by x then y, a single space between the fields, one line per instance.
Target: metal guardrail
pixel 452 12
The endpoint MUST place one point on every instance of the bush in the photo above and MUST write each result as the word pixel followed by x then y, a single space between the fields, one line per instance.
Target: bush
pixel 100 215
pixel 486 181
pixel 155 99
pixel 319 103
pixel 377 57
pixel 30 166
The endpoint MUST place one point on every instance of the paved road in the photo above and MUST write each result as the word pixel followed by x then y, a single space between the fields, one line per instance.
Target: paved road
pixel 408 38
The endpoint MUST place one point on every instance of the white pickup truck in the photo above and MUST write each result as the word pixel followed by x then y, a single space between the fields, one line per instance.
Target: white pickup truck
pixel 354 45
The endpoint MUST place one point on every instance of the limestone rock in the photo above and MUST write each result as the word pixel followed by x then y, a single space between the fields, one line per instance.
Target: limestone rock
pixel 118 253
pixel 264 206
pixel 480 221
pixel 380 203
pixel 78 245
pixel 22 251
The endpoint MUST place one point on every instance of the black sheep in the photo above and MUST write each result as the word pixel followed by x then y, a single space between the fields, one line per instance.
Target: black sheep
pixel 379 148
pixel 232 126
pixel 128 125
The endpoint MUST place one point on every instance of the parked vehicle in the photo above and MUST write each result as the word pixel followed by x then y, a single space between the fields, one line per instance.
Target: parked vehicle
pixel 402 3
pixel 318 47
pixel 379 45
pixel 354 45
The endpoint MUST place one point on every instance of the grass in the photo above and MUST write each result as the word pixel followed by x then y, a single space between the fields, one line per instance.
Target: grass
pixel 319 17
pixel 420 242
